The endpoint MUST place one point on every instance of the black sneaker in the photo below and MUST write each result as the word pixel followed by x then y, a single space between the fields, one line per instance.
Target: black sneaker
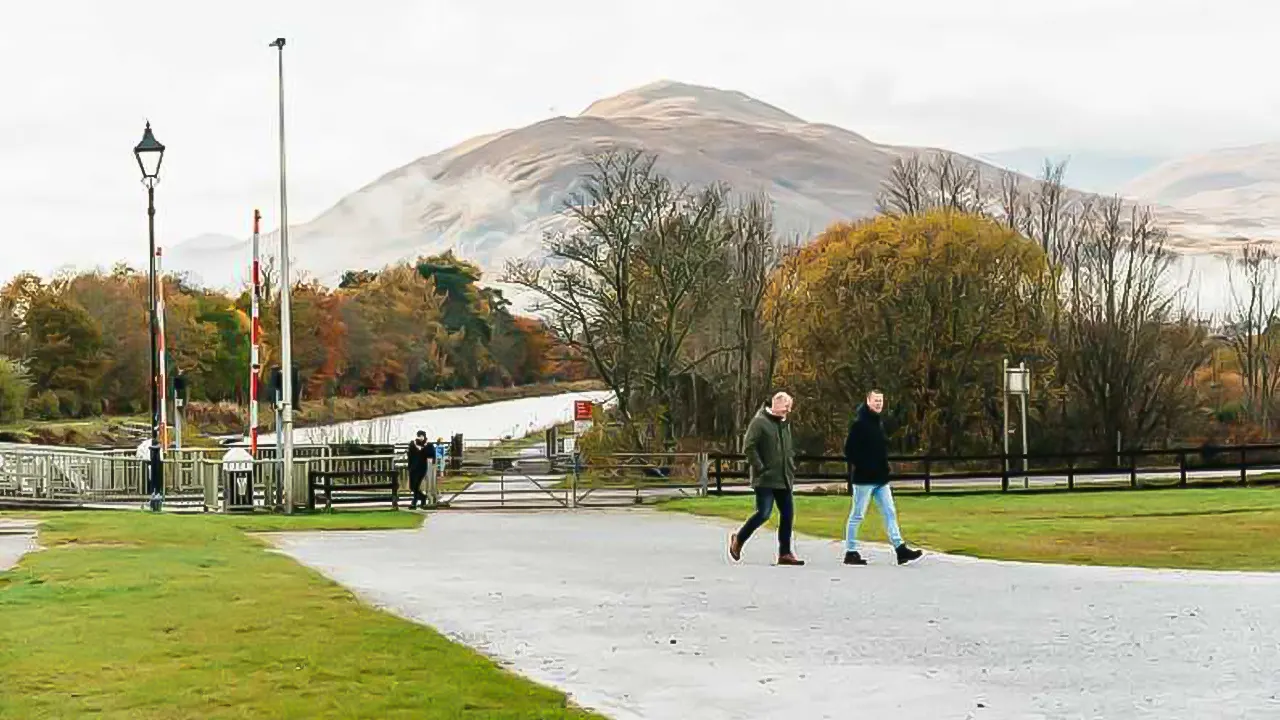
pixel 853 558
pixel 906 554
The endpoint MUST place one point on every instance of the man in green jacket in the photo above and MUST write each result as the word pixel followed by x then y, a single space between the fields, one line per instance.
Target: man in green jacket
pixel 771 455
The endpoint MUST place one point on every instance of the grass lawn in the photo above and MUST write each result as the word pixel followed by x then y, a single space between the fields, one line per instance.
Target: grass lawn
pixel 1219 529
pixel 138 616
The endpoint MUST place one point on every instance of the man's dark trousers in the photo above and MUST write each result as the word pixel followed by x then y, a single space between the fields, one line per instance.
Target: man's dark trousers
pixel 766 498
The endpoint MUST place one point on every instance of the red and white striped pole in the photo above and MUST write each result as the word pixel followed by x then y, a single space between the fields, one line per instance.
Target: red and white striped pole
pixel 164 391
pixel 255 368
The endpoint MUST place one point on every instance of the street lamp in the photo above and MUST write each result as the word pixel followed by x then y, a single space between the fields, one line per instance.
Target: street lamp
pixel 150 153
pixel 286 313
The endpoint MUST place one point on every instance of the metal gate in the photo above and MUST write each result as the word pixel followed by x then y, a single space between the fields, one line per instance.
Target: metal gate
pixel 537 482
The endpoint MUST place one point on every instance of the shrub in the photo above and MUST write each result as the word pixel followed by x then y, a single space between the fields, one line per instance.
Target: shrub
pixel 44 406
pixel 69 403
pixel 1230 413
pixel 15 386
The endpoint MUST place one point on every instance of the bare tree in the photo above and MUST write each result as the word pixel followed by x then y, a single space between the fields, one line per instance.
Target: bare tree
pixel 1251 326
pixel 905 192
pixel 590 286
pixel 957 184
pixel 1125 349
pixel 915 186
pixel 1049 216
pixel 1014 203
pixel 754 254
pixel 682 260
pixel 641 281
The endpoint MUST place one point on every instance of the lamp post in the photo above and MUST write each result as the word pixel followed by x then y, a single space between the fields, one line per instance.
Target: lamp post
pixel 150 153
pixel 286 313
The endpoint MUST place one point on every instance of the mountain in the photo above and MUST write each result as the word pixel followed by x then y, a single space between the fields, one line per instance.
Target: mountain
pixel 492 198
pixel 1087 170
pixel 1238 188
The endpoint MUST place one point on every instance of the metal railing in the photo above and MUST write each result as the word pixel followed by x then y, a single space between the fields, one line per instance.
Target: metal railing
pixel 39 475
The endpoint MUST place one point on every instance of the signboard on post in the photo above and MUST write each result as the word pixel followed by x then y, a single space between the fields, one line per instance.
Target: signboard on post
pixel 582 416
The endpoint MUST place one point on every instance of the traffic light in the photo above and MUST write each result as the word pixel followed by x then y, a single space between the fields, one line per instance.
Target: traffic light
pixel 277 386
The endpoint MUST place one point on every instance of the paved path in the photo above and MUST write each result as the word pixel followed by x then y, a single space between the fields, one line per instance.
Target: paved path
pixel 640 615
pixel 17 538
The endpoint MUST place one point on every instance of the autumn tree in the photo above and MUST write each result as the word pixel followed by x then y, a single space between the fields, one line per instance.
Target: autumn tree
pixel 395 333
pixel 64 351
pixel 319 338
pixel 920 306
pixel 117 304
pixel 15 300
pixel 15 386
pixel 468 313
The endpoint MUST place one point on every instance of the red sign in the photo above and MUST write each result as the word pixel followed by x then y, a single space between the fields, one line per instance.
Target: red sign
pixel 581 409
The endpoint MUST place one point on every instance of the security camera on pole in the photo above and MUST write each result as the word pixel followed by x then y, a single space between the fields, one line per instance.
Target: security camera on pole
pixel 286 316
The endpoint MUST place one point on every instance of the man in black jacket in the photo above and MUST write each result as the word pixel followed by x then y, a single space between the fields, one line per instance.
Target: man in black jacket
pixel 867 452
pixel 420 454
pixel 771 456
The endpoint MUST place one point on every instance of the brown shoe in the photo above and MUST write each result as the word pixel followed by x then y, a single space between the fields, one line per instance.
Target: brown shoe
pixel 791 560
pixel 735 547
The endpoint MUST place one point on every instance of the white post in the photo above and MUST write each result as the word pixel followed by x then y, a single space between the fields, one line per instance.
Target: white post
pixel 1026 390
pixel 177 421
pixel 1004 415
pixel 286 315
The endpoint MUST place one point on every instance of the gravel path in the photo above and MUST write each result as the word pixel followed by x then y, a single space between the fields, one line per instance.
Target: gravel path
pixel 641 615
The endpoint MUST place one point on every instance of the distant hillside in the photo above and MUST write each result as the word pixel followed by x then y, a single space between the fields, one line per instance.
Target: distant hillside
pixel 492 198
pixel 1088 171
pixel 1236 189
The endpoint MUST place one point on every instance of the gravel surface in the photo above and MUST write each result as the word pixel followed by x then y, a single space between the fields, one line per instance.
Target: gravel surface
pixel 641 615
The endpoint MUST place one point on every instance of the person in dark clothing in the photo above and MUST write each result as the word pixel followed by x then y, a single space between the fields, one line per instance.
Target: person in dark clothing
pixel 421 453
pixel 771 455
pixel 867 452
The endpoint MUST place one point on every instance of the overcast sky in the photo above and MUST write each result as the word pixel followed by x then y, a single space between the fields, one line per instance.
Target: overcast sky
pixel 372 86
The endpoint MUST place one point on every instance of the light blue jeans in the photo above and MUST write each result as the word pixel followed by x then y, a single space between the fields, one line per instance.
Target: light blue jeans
pixel 862 496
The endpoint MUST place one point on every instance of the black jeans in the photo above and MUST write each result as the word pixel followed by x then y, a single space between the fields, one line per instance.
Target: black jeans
pixel 765 500
pixel 415 484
